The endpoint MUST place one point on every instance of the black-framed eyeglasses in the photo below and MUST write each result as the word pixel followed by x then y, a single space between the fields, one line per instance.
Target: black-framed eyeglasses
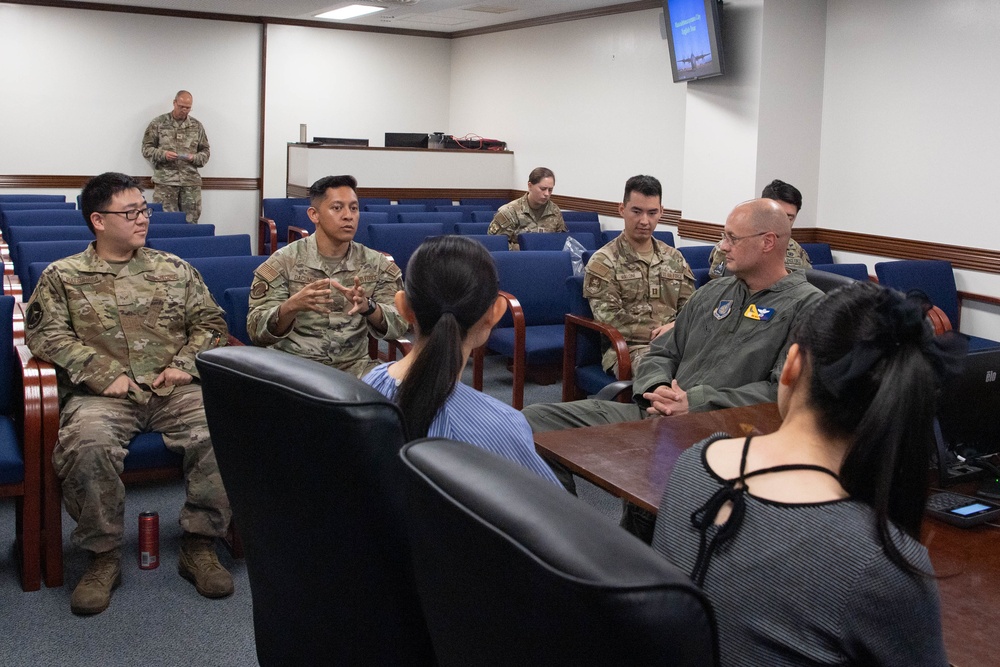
pixel 732 239
pixel 133 215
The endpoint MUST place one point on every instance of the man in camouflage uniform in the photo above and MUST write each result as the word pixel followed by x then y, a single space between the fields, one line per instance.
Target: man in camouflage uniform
pixel 636 283
pixel 176 145
pixel 790 200
pixel 122 324
pixel 534 212
pixel 321 296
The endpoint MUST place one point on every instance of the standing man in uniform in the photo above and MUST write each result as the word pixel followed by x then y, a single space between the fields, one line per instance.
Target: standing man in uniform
pixel 122 324
pixel 534 212
pixel 176 145
pixel 790 200
pixel 637 283
pixel 321 296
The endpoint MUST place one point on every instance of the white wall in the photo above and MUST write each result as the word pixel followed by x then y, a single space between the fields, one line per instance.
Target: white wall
pixel 81 86
pixel 349 84
pixel 593 100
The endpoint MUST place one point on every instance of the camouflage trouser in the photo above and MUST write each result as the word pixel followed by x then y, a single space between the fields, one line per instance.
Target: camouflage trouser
pixel 185 198
pixel 90 453
pixel 635 353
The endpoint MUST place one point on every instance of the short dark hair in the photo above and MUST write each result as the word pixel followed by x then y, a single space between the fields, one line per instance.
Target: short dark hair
pixel 644 185
pixel 781 191
pixel 99 190
pixel 317 191
pixel 538 173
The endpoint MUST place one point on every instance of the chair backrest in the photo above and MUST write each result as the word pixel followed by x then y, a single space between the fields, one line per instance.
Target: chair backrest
pixel 696 255
pixel 374 201
pixel 280 210
pixel 448 219
pixel 538 280
pixel 492 242
pixel 393 210
pixel 35 270
pixel 701 277
pixel 25 234
pixel 513 568
pixel 465 209
pixel 223 273
pixel 174 231
pixel 228 245
pixel 493 203
pixel 588 343
pixel 590 216
pixel 827 281
pixel 856 271
pixel 310 459
pixel 430 202
pixel 933 277
pixel 483 216
pixel 589 226
pixel 554 240
pixel 34 205
pixel 32 198
pixel 31 252
pixel 169 218
pixel 401 241
pixel 7 377
pixel 473 228
pixel 236 303
pixel 819 253
pixel 44 216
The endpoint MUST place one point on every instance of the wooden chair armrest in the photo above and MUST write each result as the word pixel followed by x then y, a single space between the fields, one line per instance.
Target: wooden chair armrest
pixel 517 315
pixel 574 322
pixel 939 320
pixel 20 316
pixel 266 231
pixel 30 431
pixel 233 340
pixel 296 233
pixel 619 390
pixel 12 286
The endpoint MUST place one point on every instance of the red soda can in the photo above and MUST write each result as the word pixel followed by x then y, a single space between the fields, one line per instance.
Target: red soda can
pixel 149 541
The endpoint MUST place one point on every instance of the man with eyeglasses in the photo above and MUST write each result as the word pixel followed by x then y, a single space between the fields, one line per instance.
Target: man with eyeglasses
pixel 176 145
pixel 122 323
pixel 790 200
pixel 726 348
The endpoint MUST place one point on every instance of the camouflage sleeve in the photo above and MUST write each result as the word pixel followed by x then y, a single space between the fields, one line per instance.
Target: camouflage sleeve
pixel 200 158
pixel 390 281
pixel 151 145
pixel 560 224
pixel 206 324
pixel 687 289
pixel 605 296
pixel 268 291
pixel 505 224
pixel 716 263
pixel 50 336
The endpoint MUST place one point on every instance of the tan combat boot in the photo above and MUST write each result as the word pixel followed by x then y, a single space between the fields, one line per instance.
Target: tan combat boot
pixel 199 565
pixel 93 594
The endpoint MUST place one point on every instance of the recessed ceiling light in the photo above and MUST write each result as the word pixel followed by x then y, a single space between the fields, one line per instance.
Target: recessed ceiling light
pixel 349 12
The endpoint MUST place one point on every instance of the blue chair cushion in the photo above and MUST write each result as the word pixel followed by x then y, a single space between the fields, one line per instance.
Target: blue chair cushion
pixel 592 378
pixel 148 451
pixel 11 457
pixel 236 303
pixel 543 345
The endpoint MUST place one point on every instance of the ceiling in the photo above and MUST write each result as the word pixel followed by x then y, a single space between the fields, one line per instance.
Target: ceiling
pixel 444 16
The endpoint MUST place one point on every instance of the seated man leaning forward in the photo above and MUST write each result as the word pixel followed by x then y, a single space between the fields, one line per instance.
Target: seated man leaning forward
pixel 122 324
pixel 321 296
pixel 534 212
pixel 728 343
pixel 637 283
pixel 790 200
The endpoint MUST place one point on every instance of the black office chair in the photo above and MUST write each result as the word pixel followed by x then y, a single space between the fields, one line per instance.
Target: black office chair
pixel 310 459
pixel 511 570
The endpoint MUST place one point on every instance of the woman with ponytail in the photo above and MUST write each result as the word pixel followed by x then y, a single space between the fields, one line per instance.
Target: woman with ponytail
pixel 806 539
pixel 451 299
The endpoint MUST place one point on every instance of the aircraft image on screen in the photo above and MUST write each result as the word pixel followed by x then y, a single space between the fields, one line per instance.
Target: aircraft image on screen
pixel 693 60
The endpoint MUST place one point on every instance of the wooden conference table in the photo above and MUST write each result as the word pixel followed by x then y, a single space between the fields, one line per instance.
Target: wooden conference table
pixel 633 461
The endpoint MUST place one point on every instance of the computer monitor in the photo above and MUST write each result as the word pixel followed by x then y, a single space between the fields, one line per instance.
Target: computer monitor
pixel 967 418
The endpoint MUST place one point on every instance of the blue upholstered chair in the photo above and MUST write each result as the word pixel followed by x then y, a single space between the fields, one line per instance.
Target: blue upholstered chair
pixel 32 198
pixel 393 210
pixel 583 373
pixel 373 201
pixel 493 203
pixel 700 277
pixel 29 206
pixel 936 279
pixel 430 202
pixel 272 229
pixel 483 216
pixel 447 220
pixel 169 218
pixel 20 443
pixel 31 252
pixel 533 330
pixel 856 271
pixel 581 216
pixel 819 253
pixel 493 242
pixel 236 303
pixel 401 241
pixel 465 209
pixel 473 228
pixel 206 246
pixel 588 226
pixel 554 240
pixel 696 255
pixel 609 235
pixel 38 217
pixel 223 273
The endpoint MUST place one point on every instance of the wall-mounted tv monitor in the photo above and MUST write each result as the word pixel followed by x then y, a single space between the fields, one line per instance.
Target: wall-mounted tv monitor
pixel 694 33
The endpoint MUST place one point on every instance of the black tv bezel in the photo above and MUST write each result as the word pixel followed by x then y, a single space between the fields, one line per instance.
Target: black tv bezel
pixel 713 11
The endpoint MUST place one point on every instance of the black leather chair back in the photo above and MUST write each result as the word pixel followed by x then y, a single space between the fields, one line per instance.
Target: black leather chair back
pixel 512 570
pixel 310 459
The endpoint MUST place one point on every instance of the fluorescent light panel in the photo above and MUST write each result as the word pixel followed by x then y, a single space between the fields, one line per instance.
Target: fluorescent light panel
pixel 349 12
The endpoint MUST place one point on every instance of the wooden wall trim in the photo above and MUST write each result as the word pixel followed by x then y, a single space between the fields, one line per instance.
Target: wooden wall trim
pixel 18 181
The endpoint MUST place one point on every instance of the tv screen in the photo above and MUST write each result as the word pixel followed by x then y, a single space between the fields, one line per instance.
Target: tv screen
pixel 694 33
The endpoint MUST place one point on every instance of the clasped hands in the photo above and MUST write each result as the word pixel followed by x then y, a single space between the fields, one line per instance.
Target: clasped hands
pixel 317 297
pixel 666 400
pixel 170 377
